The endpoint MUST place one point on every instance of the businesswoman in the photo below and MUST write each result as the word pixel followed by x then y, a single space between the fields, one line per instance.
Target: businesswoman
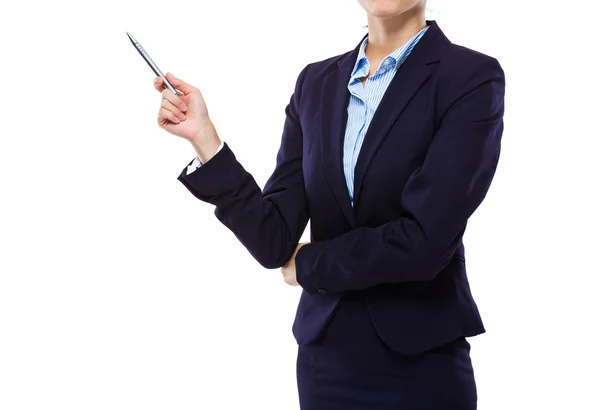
pixel 388 149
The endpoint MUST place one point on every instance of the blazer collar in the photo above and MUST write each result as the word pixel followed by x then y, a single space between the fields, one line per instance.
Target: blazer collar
pixel 410 76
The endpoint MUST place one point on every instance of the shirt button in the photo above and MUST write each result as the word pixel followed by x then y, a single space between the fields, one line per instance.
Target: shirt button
pixel 322 291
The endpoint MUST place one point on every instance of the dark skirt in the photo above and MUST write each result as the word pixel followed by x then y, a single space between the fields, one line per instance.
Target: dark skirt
pixel 350 368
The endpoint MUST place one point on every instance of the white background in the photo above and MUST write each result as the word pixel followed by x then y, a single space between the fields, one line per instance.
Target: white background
pixel 120 290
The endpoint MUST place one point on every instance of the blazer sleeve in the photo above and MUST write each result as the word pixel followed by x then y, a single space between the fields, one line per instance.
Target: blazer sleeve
pixel 437 200
pixel 269 223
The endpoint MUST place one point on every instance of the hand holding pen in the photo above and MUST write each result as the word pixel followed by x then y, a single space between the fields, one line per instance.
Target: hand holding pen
pixel 186 116
pixel 182 114
pixel 182 110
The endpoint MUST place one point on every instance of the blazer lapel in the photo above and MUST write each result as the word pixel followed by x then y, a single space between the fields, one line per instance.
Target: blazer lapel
pixel 335 96
pixel 334 115
pixel 407 81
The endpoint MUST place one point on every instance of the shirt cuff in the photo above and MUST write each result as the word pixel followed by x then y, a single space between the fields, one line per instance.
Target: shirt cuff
pixel 197 164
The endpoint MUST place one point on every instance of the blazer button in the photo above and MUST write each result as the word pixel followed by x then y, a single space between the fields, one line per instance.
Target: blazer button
pixel 322 291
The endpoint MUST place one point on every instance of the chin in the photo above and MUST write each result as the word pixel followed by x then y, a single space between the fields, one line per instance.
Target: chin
pixel 388 8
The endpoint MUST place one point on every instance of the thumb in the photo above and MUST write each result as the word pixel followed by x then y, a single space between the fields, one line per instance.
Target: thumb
pixel 179 84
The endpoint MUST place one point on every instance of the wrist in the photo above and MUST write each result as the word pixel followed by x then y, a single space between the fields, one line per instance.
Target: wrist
pixel 206 142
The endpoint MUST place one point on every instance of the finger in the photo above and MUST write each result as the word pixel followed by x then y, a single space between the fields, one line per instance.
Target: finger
pixel 160 87
pixel 173 99
pixel 158 84
pixel 166 104
pixel 180 84
pixel 166 114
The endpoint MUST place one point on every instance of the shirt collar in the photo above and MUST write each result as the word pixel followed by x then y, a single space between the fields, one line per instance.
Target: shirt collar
pixel 392 61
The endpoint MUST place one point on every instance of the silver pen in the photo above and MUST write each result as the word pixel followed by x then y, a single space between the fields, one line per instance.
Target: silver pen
pixel 151 63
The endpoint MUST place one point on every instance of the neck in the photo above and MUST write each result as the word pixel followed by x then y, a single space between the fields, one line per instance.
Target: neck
pixel 386 34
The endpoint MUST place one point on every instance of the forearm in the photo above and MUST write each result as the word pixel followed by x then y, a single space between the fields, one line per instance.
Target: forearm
pixel 365 257
pixel 268 223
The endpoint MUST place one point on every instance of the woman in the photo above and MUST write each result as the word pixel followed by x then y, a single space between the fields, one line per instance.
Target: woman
pixel 388 149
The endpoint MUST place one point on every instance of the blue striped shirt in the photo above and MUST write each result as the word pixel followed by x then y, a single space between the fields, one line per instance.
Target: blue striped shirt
pixel 364 100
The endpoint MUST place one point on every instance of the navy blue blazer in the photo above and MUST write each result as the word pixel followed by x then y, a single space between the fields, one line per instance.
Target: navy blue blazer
pixel 426 164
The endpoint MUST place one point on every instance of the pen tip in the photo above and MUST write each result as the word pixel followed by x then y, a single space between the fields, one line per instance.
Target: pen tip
pixel 131 37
